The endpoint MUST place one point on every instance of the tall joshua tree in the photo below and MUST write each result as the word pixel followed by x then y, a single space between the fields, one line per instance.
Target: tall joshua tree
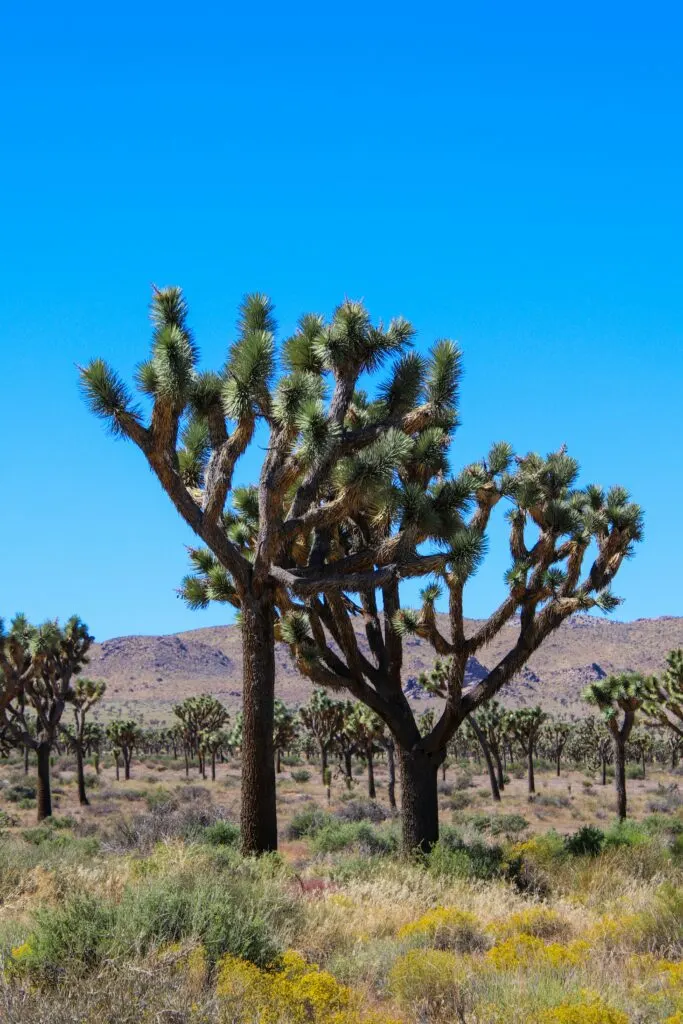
pixel 202 423
pixel 547 583
pixel 619 698
pixel 40 663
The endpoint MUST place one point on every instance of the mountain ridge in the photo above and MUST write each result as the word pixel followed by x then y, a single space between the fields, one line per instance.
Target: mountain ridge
pixel 147 674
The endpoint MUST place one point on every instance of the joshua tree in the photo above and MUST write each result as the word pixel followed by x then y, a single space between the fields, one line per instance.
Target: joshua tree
pixel 545 582
pixel 324 720
pixel 39 662
pixel 555 736
pixel 272 541
pixel 619 698
pixel 368 732
pixel 211 743
pixel 84 694
pixel 491 719
pixel 641 745
pixel 124 735
pixel 199 716
pixel 525 724
pixel 664 704
pixel 284 731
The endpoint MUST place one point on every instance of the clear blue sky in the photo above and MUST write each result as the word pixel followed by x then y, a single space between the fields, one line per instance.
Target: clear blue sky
pixel 505 174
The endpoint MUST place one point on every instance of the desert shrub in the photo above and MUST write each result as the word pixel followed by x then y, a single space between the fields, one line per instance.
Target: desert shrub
pixel 446 928
pixel 297 992
pixel 300 775
pixel 144 831
pixel 453 856
pixel 463 781
pixel 362 810
pixel 221 833
pixel 189 793
pixel 593 1012
pixel 337 835
pixel 7 820
pixel 444 788
pixel 524 951
pixel 20 791
pixel 72 935
pixel 27 803
pixel 634 771
pixel 626 833
pixel 585 842
pixel 431 982
pixel 553 800
pixel 667 799
pixel 459 801
pixel 499 824
pixel 161 799
pixel 307 822
pixel 539 922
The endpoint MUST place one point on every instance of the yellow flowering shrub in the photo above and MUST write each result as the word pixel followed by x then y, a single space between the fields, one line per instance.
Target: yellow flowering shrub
pixel 540 922
pixel 593 1012
pixel 297 993
pixel 528 951
pixel 17 960
pixel 446 928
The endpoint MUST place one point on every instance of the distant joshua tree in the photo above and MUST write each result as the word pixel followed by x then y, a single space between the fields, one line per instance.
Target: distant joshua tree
pixel 619 698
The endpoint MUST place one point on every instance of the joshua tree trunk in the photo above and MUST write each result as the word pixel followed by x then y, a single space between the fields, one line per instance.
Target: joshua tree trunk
pixel 495 792
pixel 44 792
pixel 620 775
pixel 258 815
pixel 26 748
pixel 126 764
pixel 559 758
pixel 530 759
pixel 500 774
pixel 348 766
pixel 323 760
pixel 213 765
pixel 82 795
pixel 391 766
pixel 278 762
pixel 372 792
pixel 419 803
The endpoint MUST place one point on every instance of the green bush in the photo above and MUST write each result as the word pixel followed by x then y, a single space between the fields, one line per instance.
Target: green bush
pixel 20 791
pixel 221 833
pixel 72 936
pixel 300 774
pixel 626 833
pixel 308 822
pixel 586 842
pixel 339 835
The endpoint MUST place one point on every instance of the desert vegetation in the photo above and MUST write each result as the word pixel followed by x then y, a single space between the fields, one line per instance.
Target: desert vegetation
pixel 350 859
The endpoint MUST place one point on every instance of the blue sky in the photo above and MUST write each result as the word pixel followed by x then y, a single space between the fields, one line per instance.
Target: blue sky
pixel 508 175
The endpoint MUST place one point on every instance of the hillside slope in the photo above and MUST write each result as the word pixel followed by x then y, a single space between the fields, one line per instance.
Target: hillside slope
pixel 147 674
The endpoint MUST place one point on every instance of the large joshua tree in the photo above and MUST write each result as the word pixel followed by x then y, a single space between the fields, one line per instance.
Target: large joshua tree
pixel 383 536
pixel 202 423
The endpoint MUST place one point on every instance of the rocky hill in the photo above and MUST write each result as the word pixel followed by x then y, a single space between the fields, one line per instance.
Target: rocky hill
pixel 148 674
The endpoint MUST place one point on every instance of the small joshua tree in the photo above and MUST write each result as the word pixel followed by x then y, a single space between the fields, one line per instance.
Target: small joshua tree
pixel 619 698
pixel 84 694
pixel 284 731
pixel 525 725
pixel 368 731
pixel 124 735
pixel 323 718
pixel 199 716
pixel 555 736
pixel 37 668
